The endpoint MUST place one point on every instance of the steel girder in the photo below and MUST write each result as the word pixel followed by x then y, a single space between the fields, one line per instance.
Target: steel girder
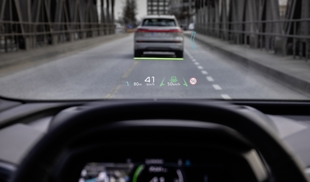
pixel 298 10
pixel 256 23
pixel 31 23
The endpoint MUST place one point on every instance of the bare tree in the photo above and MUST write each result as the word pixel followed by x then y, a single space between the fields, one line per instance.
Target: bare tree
pixel 130 12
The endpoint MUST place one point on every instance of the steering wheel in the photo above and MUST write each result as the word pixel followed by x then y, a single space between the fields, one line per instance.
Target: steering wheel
pixel 37 163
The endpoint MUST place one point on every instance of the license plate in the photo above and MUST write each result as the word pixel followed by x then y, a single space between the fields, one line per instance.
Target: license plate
pixel 156 34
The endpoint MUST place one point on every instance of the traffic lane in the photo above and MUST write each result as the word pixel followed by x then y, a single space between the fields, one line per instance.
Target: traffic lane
pixel 90 74
pixel 235 81
pixel 102 72
pixel 162 71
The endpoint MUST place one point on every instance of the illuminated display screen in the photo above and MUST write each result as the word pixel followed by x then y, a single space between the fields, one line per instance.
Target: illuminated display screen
pixel 170 82
pixel 153 170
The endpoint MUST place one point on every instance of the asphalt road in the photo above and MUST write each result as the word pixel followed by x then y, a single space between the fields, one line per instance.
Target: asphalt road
pixel 109 71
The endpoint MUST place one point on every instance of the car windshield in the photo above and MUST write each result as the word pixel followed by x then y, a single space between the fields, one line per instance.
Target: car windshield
pixel 154 49
pixel 156 22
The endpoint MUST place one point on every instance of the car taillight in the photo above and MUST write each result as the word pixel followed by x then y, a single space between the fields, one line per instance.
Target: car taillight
pixel 156 30
pixel 176 31
pixel 141 30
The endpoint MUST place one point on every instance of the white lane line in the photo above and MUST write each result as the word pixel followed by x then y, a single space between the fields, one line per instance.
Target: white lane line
pixel 225 96
pixel 193 60
pixel 188 53
pixel 204 72
pixel 200 67
pixel 196 63
pixel 210 79
pixel 217 87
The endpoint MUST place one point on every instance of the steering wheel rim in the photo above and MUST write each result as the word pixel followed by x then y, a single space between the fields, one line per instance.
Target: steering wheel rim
pixel 281 161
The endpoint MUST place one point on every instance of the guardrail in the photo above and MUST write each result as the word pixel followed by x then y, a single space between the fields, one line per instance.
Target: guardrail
pixel 27 35
pixel 287 37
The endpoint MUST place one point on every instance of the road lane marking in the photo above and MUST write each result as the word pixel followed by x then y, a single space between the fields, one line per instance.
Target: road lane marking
pixel 189 55
pixel 193 60
pixel 210 79
pixel 204 72
pixel 217 87
pixel 114 90
pixel 225 96
pixel 196 63
pixel 127 72
pixel 200 67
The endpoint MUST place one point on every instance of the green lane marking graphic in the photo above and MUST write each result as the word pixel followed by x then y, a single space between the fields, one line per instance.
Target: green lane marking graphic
pixel 162 82
pixel 137 172
pixel 185 84
pixel 166 59
pixel 173 79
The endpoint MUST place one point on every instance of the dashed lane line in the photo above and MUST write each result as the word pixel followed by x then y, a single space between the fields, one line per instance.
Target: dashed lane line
pixel 217 87
pixel 225 96
pixel 210 79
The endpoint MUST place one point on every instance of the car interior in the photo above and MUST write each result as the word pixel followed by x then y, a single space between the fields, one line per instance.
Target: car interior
pixel 157 139
pixel 154 91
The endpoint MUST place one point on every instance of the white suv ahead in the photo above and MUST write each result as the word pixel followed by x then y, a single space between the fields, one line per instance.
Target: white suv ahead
pixel 159 33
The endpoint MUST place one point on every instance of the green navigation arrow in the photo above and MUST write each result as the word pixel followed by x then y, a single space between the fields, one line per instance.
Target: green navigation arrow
pixel 162 83
pixel 185 84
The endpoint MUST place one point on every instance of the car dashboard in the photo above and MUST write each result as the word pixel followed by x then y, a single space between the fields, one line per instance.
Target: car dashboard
pixel 155 150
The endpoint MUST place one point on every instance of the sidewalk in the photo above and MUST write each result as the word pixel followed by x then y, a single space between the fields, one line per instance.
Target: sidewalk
pixel 49 53
pixel 291 72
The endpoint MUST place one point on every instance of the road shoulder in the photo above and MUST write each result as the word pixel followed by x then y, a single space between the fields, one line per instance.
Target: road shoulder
pixel 15 61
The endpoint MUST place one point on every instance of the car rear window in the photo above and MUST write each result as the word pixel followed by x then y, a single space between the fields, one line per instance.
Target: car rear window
pixel 159 22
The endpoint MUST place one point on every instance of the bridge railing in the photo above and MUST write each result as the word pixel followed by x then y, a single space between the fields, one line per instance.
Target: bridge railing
pixel 27 35
pixel 279 36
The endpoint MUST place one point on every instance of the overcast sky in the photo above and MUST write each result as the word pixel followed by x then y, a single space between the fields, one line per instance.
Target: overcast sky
pixel 283 2
pixel 142 7
pixel 119 8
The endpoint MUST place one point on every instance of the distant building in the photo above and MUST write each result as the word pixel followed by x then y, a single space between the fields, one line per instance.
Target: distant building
pixel 283 8
pixel 158 7
pixel 282 11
